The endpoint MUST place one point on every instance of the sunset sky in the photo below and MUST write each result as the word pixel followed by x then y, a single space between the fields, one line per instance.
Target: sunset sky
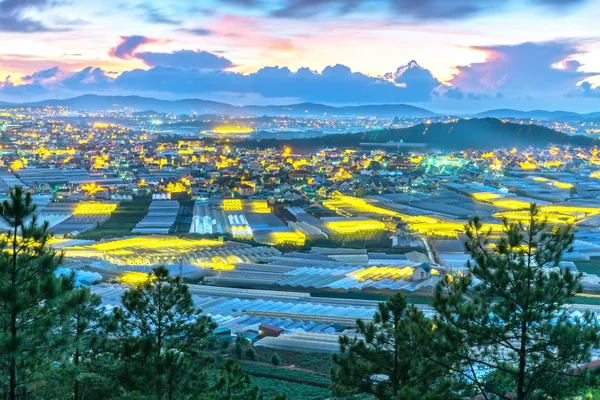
pixel 470 55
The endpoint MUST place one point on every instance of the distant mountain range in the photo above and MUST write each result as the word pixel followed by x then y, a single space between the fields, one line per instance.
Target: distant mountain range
pixel 485 133
pixel 188 106
pixel 93 102
pixel 537 114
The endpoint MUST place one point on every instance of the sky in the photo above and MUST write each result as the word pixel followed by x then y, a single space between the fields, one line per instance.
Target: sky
pixel 446 55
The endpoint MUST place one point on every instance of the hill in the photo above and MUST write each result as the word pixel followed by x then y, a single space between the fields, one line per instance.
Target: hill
pixel 91 102
pixel 536 114
pixel 486 133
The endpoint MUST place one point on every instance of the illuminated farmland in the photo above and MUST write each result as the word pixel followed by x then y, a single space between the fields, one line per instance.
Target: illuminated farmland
pixel 94 208
pixel 168 250
pixel 516 210
pixel 423 224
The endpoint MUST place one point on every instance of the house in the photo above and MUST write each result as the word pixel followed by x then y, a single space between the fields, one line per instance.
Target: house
pixel 322 192
pixel 421 272
pixel 246 190
pixel 299 175
pixel 335 195
pixel 269 330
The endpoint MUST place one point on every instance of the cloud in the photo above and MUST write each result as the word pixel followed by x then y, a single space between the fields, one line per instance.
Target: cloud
pixel 128 45
pixel 198 31
pixel 413 75
pixel 41 76
pixel 510 72
pixel 336 84
pixel 185 59
pixel 532 68
pixel 156 15
pixel 88 79
pixel 12 18
pixel 402 9
pixel 585 90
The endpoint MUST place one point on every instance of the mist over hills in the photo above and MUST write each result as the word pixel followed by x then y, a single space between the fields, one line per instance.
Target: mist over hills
pixel 536 114
pixel 92 102
pixel 485 133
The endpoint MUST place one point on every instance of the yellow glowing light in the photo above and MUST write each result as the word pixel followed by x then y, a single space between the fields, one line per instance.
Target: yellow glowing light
pixel 260 206
pixel 425 225
pixel 177 187
pixel 528 165
pixel 555 163
pixel 562 185
pixel 232 205
pixel 94 208
pixel 353 226
pixel 233 130
pixel 558 184
pixel 485 196
pixel 91 188
pixel 288 238
pixel 133 278
pixel 380 273
pixel 16 165
pixel 511 204
pixel 416 160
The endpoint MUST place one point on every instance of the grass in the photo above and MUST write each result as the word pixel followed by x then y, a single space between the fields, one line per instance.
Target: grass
pixel 589 267
pixel 270 387
pixel 286 374
pixel 319 362
pixel 122 221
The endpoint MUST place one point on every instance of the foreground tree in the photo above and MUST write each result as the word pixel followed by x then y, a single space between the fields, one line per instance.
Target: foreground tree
pixel 504 323
pixel 160 338
pixel 83 330
pixel 80 372
pixel 30 295
pixel 389 360
pixel 233 384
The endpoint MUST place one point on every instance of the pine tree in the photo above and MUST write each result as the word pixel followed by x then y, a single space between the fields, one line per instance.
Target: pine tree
pixel 389 361
pixel 275 359
pixel 160 338
pixel 233 384
pixel 504 323
pixel 30 295
pixel 81 329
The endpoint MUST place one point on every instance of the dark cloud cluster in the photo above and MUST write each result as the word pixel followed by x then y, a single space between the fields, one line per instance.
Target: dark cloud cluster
pixel 185 59
pixel 42 76
pixel 128 46
pixel 585 89
pixel 335 84
pixel 509 71
pixel 13 19
pixel 155 15
pixel 533 68
pixel 401 9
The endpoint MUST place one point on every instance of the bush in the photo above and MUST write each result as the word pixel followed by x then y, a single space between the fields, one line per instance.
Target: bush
pixel 275 359
pixel 225 344
pixel 239 350
pixel 251 354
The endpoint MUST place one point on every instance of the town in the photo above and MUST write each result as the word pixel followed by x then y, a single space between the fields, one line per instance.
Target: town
pixel 287 248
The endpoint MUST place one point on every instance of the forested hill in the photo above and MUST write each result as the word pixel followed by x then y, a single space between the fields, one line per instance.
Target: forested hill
pixel 485 133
